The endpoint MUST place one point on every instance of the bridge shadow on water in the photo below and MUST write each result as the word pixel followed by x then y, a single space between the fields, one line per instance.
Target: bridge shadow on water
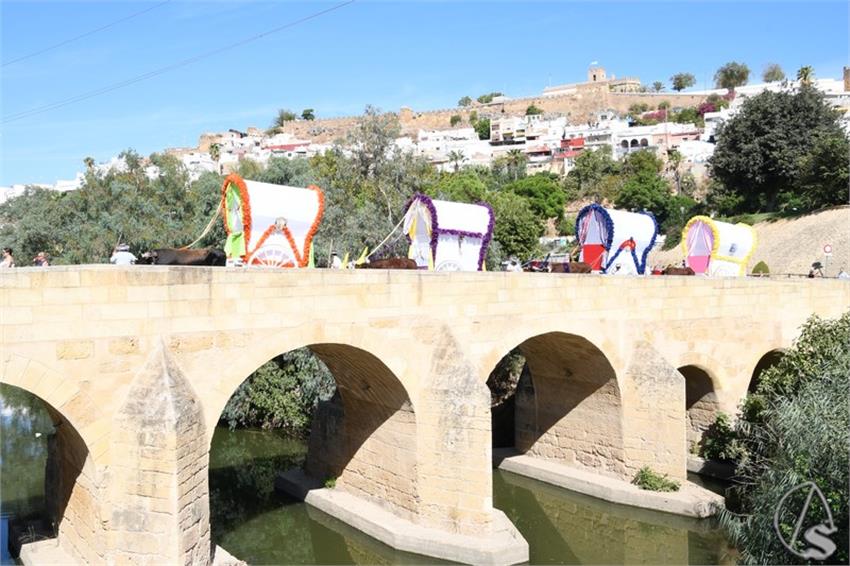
pixel 255 523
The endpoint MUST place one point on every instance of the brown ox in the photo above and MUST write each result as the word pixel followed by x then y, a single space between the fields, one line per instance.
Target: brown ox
pixel 673 270
pixel 571 267
pixel 389 263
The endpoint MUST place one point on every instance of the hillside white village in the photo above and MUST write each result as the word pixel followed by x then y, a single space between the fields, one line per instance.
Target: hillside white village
pixel 550 141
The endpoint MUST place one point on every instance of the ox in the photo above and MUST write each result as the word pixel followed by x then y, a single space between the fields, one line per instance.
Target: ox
pixel 174 256
pixel 673 270
pixel 571 267
pixel 389 263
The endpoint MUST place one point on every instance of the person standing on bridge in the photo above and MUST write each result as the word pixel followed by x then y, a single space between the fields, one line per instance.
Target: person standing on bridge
pixel 40 260
pixel 122 255
pixel 8 260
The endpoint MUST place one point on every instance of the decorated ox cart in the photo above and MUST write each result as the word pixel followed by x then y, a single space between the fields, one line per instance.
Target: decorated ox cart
pixel 447 236
pixel 269 225
pixel 615 241
pixel 717 248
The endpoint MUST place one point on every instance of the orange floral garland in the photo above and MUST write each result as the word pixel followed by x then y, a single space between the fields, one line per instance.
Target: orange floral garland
pixel 301 259
pixel 308 241
pixel 236 180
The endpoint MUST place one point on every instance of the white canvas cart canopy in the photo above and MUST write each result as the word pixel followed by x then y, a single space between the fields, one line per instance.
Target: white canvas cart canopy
pixel 447 236
pixel 718 248
pixel 270 225
pixel 615 241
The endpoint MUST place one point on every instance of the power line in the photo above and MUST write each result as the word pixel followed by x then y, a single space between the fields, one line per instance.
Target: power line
pixel 86 34
pixel 115 86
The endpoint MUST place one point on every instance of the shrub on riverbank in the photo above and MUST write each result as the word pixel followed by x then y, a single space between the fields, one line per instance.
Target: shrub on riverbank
pixel 795 428
pixel 650 480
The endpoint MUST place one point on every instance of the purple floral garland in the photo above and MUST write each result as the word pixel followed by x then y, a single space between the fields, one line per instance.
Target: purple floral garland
pixel 485 240
pixel 436 230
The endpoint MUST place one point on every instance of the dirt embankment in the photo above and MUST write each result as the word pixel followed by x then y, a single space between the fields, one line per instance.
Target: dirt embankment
pixel 791 245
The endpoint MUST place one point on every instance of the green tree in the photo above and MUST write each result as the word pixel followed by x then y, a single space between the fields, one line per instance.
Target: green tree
pixel 281 394
pixel 590 168
pixel 795 428
pixel 824 178
pixel 463 186
pixel 517 229
pixel 762 151
pixel 657 86
pixel 732 75
pixel 283 117
pixel 473 118
pixel 773 73
pixel 806 75
pixel 543 193
pixel 681 81
pixel 645 191
pixel 308 114
pixel 533 110
pixel 482 128
pixel 455 120
pixel 89 163
pixel 465 101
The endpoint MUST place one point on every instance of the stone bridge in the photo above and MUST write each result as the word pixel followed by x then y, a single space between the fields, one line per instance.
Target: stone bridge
pixel 136 364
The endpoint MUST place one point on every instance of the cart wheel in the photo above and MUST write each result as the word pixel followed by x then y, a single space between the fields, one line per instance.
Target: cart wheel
pixel 272 255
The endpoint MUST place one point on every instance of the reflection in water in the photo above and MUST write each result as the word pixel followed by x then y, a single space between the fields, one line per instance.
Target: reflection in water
pixel 564 527
pixel 258 525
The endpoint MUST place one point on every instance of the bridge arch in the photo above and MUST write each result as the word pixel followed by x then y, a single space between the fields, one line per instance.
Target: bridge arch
pixel 767 360
pixel 72 482
pixel 365 436
pixel 701 402
pixel 568 404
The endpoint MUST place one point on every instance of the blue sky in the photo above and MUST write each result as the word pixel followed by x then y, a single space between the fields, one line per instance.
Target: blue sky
pixel 389 54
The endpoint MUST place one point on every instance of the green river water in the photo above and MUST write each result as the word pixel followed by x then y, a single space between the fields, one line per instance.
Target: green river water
pixel 260 526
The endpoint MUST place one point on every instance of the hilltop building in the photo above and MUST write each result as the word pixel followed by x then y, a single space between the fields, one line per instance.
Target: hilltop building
pixel 596 78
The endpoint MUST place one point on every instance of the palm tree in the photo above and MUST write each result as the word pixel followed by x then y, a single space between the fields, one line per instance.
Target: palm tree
pixel 674 162
pixel 657 86
pixel 89 162
pixel 456 158
pixel 806 75
pixel 515 159
pixel 215 153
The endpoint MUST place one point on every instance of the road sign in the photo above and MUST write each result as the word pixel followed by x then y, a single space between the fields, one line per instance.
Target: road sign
pixel 827 249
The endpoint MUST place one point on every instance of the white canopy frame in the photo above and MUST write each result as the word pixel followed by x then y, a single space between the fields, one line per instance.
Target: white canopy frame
pixel 615 241
pixel 270 225
pixel 717 248
pixel 448 236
